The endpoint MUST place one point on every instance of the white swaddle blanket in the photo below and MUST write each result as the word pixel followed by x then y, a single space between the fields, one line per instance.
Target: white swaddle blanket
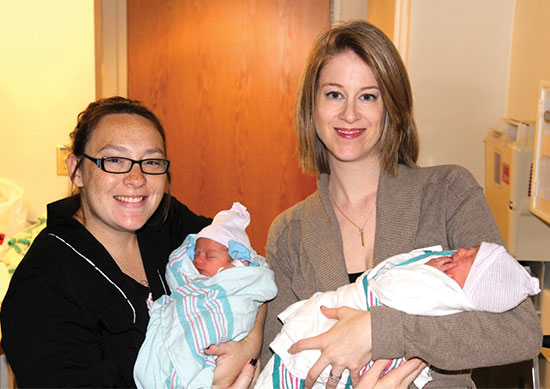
pixel 199 312
pixel 402 282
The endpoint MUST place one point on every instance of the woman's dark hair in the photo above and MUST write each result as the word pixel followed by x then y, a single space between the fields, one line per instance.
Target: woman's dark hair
pixel 89 118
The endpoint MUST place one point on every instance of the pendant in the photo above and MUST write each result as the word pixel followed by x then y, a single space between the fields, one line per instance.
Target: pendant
pixel 362 237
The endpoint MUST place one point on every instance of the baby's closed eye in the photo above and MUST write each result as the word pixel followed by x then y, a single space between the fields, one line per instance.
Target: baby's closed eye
pixel 442 263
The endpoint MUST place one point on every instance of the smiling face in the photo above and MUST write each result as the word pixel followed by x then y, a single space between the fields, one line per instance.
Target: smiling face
pixel 349 109
pixel 210 256
pixel 119 203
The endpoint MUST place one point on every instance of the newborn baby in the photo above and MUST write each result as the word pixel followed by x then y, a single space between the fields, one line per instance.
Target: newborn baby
pixel 483 278
pixel 217 283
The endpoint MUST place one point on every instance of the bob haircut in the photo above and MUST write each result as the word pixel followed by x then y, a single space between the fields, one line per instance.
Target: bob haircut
pixel 88 120
pixel 398 143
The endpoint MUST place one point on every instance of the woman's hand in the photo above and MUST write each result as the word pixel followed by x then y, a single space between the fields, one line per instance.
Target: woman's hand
pixel 232 356
pixel 399 378
pixel 346 345
pixel 247 377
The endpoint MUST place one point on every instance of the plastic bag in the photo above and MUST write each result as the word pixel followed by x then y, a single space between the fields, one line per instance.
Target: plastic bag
pixel 13 213
pixel 15 248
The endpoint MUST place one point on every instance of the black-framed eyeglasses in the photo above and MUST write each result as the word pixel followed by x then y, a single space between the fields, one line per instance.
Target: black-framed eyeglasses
pixel 121 165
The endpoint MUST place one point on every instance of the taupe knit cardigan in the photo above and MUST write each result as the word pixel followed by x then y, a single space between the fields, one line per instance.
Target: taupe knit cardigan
pixel 417 208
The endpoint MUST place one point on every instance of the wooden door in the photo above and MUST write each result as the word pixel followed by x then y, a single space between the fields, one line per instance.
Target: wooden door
pixel 222 76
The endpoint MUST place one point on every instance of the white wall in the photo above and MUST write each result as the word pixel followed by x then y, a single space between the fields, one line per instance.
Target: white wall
pixel 46 79
pixel 458 61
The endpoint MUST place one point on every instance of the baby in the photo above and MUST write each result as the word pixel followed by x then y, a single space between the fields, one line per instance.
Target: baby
pixel 458 265
pixel 482 278
pixel 212 257
pixel 217 284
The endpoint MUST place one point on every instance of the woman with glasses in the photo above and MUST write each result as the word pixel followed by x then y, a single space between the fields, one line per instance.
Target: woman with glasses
pixel 76 310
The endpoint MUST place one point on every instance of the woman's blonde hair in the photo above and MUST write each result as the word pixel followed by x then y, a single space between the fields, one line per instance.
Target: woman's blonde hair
pixel 399 139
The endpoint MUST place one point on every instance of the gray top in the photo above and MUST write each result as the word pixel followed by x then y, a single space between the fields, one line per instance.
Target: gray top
pixel 417 208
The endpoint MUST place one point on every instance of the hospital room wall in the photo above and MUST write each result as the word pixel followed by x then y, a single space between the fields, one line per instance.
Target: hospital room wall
pixel 470 63
pixel 47 77
pixel 458 61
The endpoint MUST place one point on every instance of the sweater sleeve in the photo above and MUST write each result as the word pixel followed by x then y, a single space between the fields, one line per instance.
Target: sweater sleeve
pixel 464 340
pixel 469 220
pixel 457 342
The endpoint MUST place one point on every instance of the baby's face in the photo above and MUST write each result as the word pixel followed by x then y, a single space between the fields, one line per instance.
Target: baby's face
pixel 458 265
pixel 210 256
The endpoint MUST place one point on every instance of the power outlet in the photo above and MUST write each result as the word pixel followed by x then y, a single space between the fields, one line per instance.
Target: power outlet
pixel 62 152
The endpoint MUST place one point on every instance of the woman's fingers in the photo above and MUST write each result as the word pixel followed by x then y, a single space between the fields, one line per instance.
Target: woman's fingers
pixel 400 377
pixel 334 377
pixel 372 376
pixel 257 372
pixel 346 345
pixel 315 372
pixel 420 365
pixel 231 357
pixel 314 343
pixel 355 376
pixel 404 375
pixel 331 313
pixel 212 350
pixel 247 376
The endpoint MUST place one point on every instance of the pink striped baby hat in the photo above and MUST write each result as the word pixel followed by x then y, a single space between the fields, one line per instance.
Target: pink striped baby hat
pixel 497 282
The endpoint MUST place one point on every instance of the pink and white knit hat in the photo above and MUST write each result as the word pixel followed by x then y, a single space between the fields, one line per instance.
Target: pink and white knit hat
pixel 497 282
pixel 229 225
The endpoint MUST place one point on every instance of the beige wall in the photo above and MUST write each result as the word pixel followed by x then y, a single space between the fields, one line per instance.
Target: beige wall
pixel 530 59
pixel 459 64
pixel 348 9
pixel 471 62
pixel 46 78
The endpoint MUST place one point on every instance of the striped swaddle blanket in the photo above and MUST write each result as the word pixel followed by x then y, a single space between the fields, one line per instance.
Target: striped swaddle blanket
pixel 199 312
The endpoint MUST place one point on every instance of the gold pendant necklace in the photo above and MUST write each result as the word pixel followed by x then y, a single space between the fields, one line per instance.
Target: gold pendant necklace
pixel 361 229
